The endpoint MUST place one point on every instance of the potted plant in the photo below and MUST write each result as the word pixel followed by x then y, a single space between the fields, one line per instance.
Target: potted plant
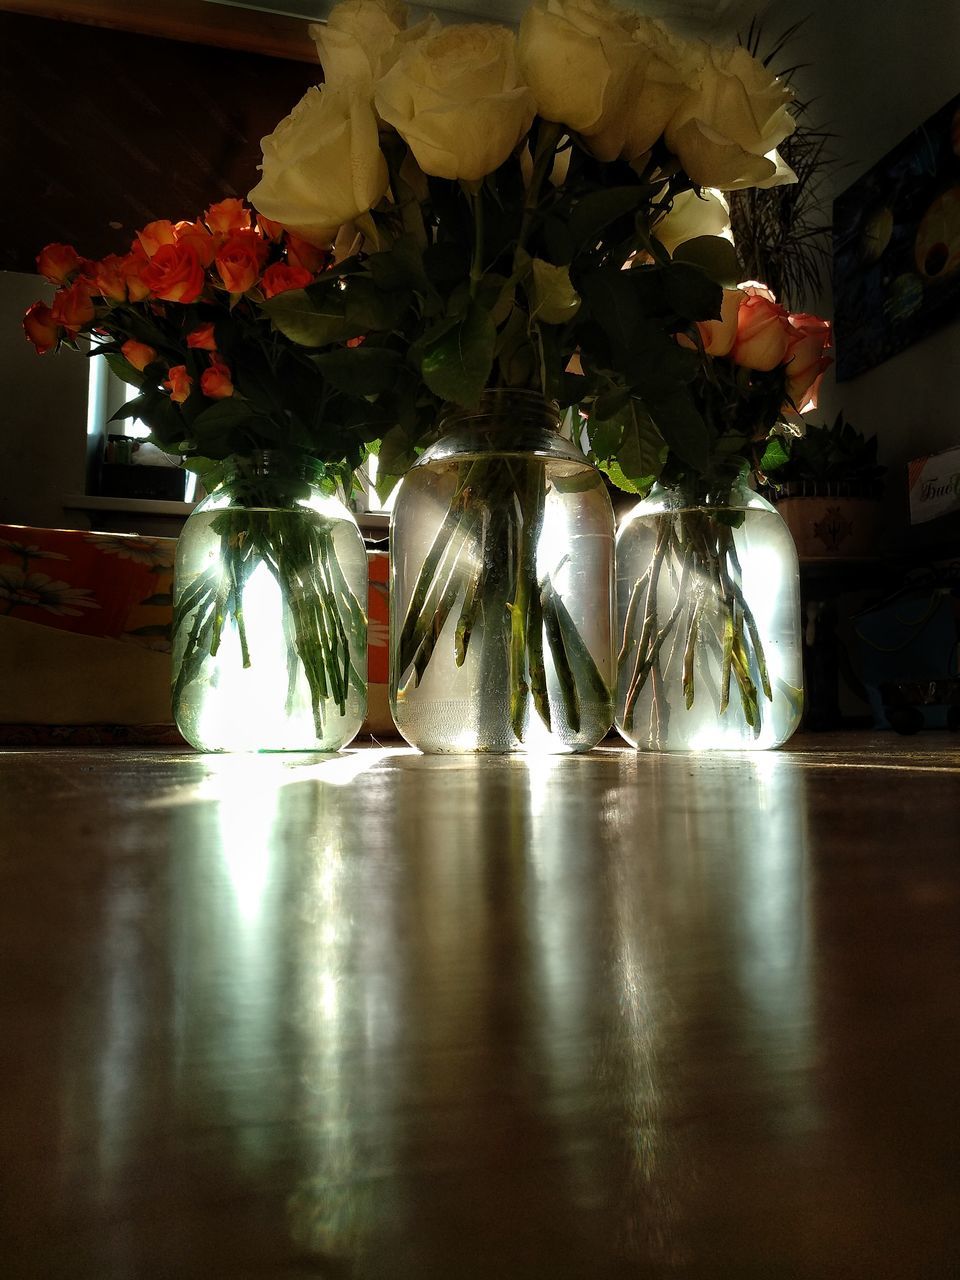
pixel 829 492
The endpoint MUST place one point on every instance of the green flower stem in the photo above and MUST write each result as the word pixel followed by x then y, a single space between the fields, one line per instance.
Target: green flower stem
pixel 484 558
pixel 697 543
pixel 321 613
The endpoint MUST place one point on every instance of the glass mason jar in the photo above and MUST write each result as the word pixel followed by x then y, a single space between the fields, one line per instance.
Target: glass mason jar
pixel 708 614
pixel 501 627
pixel 269 613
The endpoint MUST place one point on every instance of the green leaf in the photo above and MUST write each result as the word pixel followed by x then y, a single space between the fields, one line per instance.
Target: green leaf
pixel 683 428
pixel 622 481
pixel 224 414
pixel 361 371
pixel 691 293
pixel 630 438
pixel 553 298
pixel 456 365
pixel 713 255
pixel 775 455
pixel 395 457
pixel 597 210
pixel 123 370
pixel 311 321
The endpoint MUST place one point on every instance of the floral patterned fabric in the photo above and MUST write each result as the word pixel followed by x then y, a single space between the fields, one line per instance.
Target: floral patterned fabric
pixel 98 584
pixel 116 586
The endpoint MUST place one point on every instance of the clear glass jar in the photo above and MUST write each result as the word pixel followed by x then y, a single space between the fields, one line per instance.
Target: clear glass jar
pixel 708 614
pixel 501 628
pixel 269 620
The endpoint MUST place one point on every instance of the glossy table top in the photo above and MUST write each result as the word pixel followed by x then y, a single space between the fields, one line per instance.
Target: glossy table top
pixel 383 1015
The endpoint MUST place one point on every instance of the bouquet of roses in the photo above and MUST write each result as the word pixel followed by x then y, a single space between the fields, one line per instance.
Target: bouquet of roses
pixel 498 185
pixel 181 316
pixel 763 368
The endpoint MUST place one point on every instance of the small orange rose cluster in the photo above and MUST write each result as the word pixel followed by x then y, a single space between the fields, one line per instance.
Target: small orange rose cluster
pixel 229 254
pixel 756 333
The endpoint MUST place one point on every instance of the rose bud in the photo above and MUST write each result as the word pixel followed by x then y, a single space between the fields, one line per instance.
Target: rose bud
pixel 132 268
pixel 197 235
pixel 269 229
pixel 216 381
pixel 175 273
pixel 179 383
pixel 718 336
pixel 73 307
pixel 59 263
pixel 763 331
pixel 806 360
pixel 41 328
pixel 110 279
pixel 300 253
pixel 138 354
pixel 155 234
pixel 240 259
pixel 228 216
pixel 203 338
pixel 280 277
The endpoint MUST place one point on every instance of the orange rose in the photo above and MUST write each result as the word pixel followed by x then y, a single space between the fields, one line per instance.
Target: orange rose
pixel 806 359
pixel 718 336
pixel 155 234
pixel 138 354
pixel 73 307
pixel 240 260
pixel 197 235
pixel 203 338
pixel 269 229
pixel 763 331
pixel 109 275
pixel 308 256
pixel 216 381
pixel 280 277
pixel 41 328
pixel 60 263
pixel 228 216
pixel 179 383
pixel 175 273
pixel 132 268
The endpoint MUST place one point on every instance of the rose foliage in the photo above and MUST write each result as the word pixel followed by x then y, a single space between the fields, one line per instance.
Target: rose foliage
pixel 502 196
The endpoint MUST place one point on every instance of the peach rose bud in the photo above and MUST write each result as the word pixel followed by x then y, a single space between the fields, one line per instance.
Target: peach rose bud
pixel 73 307
pixel 138 354
pixel 197 235
pixel 269 229
pixel 228 216
pixel 132 268
pixel 109 275
pixel 216 382
pixel 175 273
pixel 59 263
pixel 718 336
pixel 203 338
pixel 240 259
pixel 763 332
pixel 281 277
pixel 41 328
pixel 807 359
pixel 179 383
pixel 300 253
pixel 155 234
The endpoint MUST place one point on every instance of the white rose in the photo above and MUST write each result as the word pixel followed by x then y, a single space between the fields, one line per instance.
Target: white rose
pixel 663 71
pixel 361 40
pixel 322 165
pixel 693 215
pixel 578 56
pixel 725 132
pixel 456 98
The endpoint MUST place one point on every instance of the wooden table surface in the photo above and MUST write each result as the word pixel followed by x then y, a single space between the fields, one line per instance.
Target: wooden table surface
pixel 383 1015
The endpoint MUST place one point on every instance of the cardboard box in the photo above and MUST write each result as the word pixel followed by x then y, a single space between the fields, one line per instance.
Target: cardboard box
pixel 934 485
pixel 85 634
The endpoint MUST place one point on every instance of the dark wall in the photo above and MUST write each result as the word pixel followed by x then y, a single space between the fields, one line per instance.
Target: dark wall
pixel 103 131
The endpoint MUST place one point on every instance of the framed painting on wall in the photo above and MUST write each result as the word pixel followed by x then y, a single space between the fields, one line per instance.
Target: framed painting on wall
pixel 896 247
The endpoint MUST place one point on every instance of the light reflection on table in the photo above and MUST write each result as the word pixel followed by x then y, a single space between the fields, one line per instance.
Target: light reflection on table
pixel 383 1015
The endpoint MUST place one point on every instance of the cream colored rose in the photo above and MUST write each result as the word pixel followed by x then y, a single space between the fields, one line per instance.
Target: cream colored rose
pixel 362 39
pixel 662 72
pixel 578 56
pixel 726 130
pixel 457 99
pixel 322 165
pixel 692 215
